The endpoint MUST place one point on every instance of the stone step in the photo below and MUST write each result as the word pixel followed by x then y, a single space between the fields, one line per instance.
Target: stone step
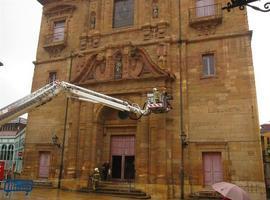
pixel 205 195
pixel 118 185
pixel 42 184
pixel 136 194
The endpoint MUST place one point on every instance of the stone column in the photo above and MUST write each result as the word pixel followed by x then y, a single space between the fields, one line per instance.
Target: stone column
pixel 142 150
pixel 72 138
pixel 158 148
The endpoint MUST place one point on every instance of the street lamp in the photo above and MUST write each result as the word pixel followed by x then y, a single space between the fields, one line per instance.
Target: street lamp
pixel 184 144
pixel 56 142
pixel 242 3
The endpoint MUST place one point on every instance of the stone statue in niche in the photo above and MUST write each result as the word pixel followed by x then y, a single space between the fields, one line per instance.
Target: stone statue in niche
pixel 80 65
pixel 155 10
pixel 93 20
pixel 118 67
pixel 162 55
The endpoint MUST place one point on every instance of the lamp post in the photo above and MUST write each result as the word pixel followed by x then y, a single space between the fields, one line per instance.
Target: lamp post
pixel 184 143
pixel 242 3
pixel 65 125
pixel 56 142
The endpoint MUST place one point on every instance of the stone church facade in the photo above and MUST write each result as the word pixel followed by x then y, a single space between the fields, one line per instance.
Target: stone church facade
pixel 198 53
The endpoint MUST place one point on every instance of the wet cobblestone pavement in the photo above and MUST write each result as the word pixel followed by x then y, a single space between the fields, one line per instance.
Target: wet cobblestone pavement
pixel 55 194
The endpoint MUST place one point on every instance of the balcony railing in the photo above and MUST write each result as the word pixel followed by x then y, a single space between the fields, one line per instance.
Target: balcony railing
pixel 205 14
pixel 55 39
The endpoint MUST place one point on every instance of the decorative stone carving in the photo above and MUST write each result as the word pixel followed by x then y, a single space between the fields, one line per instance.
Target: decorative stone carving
pixel 100 67
pixel 135 63
pixel 117 65
pixel 162 29
pixel 162 55
pixel 59 10
pixel 147 32
pixel 79 67
pixel 158 30
pixel 55 51
pixel 209 29
pixel 95 39
pixel 83 41
pixel 91 40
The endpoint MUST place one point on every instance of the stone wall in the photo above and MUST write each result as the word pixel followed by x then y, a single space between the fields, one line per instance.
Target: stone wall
pixel 159 50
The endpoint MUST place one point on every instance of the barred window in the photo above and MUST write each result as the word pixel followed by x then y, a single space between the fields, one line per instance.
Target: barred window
pixel 52 77
pixel 208 65
pixel 123 13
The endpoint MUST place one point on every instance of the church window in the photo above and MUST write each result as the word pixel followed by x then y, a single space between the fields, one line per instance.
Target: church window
pixel 59 31
pixel 123 13
pixel 208 65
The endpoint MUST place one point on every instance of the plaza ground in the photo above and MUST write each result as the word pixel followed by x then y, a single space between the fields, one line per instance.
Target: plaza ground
pixel 55 194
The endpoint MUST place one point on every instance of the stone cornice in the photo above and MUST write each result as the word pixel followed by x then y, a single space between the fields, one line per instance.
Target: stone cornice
pixel 218 37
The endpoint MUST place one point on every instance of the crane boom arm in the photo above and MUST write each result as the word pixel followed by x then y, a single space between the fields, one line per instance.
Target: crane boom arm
pixel 49 91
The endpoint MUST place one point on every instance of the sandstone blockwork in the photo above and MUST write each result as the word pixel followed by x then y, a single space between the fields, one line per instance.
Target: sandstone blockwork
pixel 198 53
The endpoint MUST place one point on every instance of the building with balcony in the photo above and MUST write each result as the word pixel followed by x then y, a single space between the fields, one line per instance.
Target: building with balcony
pixel 124 48
pixel 12 137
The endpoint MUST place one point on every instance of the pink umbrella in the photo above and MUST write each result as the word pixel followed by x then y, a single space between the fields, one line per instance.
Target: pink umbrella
pixel 230 191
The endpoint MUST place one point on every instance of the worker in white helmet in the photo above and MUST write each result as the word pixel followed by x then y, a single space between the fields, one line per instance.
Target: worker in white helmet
pixel 95 178
pixel 156 95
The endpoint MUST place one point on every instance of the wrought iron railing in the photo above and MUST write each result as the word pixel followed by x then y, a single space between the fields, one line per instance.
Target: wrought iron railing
pixel 213 11
pixel 55 38
pixel 263 7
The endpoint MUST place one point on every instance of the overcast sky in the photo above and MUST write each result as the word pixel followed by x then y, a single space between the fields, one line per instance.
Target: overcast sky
pixel 19 31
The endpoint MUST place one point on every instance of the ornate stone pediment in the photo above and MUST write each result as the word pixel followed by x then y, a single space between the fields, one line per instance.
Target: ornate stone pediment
pixel 59 9
pixel 120 64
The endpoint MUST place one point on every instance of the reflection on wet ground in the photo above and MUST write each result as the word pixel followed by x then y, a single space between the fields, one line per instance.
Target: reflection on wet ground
pixel 55 194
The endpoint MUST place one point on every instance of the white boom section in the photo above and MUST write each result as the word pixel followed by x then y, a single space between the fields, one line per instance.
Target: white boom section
pixel 46 93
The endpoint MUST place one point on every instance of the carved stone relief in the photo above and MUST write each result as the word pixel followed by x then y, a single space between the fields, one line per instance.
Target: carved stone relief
pixel 100 68
pixel 118 66
pixel 59 10
pixel 91 40
pixel 119 63
pixel 162 55
pixel 158 30
pixel 83 41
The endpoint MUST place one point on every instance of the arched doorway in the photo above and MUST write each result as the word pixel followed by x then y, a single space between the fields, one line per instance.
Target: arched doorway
pixel 117 144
